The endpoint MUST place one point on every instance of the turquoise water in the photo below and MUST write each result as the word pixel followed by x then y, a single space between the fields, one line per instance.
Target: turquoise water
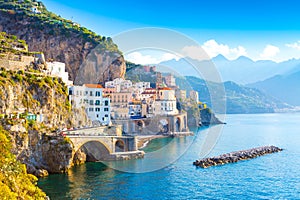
pixel 274 176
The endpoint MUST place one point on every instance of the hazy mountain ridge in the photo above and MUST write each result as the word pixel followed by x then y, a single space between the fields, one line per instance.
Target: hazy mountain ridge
pixel 242 70
pixel 239 99
pixel 284 87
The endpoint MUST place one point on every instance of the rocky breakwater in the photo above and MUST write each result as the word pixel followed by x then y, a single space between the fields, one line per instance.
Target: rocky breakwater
pixel 236 156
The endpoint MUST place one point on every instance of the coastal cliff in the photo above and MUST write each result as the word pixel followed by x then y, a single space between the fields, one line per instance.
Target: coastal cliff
pixel 35 143
pixel 15 182
pixel 207 117
pixel 60 39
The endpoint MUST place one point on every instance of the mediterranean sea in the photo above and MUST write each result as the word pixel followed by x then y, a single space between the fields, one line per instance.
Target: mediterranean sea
pixel 273 176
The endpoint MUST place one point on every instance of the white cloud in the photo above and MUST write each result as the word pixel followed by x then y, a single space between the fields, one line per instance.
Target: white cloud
pixel 212 48
pixel 139 58
pixel 195 52
pixel 295 45
pixel 269 52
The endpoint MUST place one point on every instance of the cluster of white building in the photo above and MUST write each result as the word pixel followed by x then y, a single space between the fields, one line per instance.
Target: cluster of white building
pixel 121 99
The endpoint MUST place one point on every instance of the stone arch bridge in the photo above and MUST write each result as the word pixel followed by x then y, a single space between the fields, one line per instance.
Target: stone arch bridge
pixel 101 146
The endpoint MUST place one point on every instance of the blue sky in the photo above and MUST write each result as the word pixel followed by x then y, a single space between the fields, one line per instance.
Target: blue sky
pixel 257 29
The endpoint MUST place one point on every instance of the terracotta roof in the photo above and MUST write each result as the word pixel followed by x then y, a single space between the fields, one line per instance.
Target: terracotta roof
pixel 165 88
pixel 93 85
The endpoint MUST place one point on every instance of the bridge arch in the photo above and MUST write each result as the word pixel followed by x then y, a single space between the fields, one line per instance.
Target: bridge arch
pixel 119 146
pixel 177 124
pixel 94 150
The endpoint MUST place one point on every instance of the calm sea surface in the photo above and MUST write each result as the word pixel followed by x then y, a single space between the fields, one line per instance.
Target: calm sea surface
pixel 274 176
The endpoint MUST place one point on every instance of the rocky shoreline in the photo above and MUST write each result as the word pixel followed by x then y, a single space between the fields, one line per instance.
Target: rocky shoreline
pixel 207 118
pixel 236 156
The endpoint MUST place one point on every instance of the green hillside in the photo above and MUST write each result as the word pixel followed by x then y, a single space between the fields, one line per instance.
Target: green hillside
pixel 239 99
pixel 38 11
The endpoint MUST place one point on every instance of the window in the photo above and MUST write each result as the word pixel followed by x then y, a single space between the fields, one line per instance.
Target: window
pixel 105 109
pixel 98 94
pixel 91 109
pixel 106 102
pixel 97 102
pixel 80 93
pixel 91 93
pixel 106 115
pixel 77 93
pixel 97 116
pixel 86 92
pixel 97 109
pixel 91 102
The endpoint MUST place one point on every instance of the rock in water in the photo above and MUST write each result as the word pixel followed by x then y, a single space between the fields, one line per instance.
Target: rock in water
pixel 236 156
pixel 207 117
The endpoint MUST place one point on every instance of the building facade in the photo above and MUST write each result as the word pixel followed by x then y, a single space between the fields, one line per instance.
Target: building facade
pixel 120 84
pixel 194 96
pixel 170 80
pixel 58 69
pixel 165 103
pixel 90 97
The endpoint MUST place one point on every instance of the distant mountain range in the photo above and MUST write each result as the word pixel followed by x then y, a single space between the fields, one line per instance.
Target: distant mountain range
pixel 284 87
pixel 238 98
pixel 243 70
pixel 277 82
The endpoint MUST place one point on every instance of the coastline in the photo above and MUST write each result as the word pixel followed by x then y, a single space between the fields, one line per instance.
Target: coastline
pixel 143 140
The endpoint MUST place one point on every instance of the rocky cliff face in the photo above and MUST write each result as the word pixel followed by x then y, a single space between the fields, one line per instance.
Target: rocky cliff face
pixel 40 152
pixel 101 66
pixel 62 44
pixel 35 143
pixel 21 93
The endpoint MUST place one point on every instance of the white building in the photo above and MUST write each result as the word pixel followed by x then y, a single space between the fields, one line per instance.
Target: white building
pixel 194 96
pixel 58 69
pixel 165 103
pixel 148 93
pixel 89 96
pixel 138 88
pixel 123 85
pixel 137 109
pixel 120 84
